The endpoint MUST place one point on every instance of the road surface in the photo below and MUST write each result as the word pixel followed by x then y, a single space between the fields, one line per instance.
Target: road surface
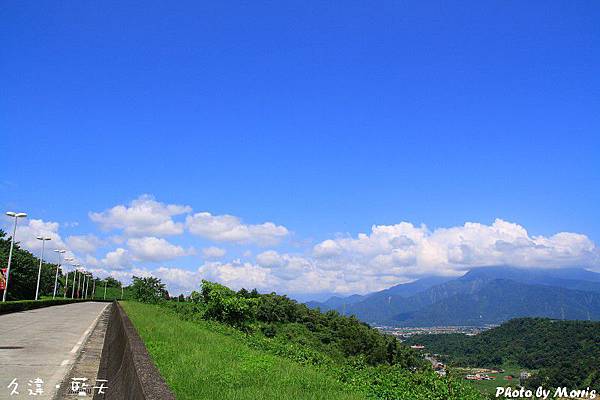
pixel 43 343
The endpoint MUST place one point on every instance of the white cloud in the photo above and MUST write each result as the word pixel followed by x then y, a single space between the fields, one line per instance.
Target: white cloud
pixel 284 266
pixel 29 229
pixel 117 259
pixel 213 252
pixel 228 228
pixel 406 250
pixel 91 261
pixel 84 244
pixel 144 216
pixel 155 249
pixel 392 254
pixel 238 274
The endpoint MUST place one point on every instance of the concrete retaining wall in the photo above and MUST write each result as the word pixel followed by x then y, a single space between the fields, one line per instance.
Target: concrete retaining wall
pixel 126 364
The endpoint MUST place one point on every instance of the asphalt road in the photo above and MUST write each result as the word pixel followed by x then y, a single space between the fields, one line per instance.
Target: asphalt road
pixel 43 343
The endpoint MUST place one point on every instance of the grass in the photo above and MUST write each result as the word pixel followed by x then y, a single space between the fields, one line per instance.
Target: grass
pixel 489 387
pixel 112 293
pixel 199 363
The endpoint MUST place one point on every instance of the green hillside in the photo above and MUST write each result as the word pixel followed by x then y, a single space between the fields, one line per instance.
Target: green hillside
pixel 564 353
pixel 199 362
pixel 225 344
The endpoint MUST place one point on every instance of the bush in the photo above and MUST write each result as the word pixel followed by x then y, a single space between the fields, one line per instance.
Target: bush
pixel 23 305
pixel 224 305
pixel 148 290
pixel 269 331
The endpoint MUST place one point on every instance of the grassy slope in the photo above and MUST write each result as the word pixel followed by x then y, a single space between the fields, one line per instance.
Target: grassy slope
pixel 198 363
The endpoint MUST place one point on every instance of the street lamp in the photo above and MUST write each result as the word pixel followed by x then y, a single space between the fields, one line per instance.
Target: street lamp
pixel 87 284
pixel 16 216
pixel 68 259
pixel 59 252
pixel 79 284
pixel 37 288
pixel 105 282
pixel 75 266
pixel 93 289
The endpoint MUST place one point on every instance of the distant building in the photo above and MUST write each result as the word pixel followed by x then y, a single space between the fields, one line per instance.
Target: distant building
pixel 417 347
pixel 523 377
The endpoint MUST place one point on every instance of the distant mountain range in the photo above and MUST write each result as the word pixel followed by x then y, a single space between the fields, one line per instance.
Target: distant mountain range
pixel 486 295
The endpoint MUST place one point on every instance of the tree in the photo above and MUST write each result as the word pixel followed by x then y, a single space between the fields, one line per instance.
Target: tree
pixel 112 282
pixel 148 290
pixel 24 271
pixel 224 305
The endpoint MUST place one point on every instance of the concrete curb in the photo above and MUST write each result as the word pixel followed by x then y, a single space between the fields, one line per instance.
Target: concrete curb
pixel 126 364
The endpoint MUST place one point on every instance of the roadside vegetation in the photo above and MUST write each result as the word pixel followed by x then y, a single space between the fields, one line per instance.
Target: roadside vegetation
pixel 238 339
pixel 203 360
pixel 24 271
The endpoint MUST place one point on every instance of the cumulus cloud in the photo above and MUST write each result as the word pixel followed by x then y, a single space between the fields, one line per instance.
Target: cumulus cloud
pixel 84 244
pixel 392 254
pixel 408 250
pixel 29 229
pixel 285 266
pixel 143 216
pixel 155 249
pixel 117 259
pixel 213 252
pixel 228 228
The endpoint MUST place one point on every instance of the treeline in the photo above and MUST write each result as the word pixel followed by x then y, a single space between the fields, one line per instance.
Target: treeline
pixel 351 350
pixel 24 271
pixel 561 353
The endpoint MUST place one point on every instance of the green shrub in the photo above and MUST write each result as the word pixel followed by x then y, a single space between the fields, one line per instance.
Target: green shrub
pixel 23 305
pixel 148 290
pixel 224 305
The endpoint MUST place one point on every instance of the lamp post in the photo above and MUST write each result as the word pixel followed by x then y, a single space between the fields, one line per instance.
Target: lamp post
pixel 59 252
pixel 121 291
pixel 16 216
pixel 79 285
pixel 83 284
pixel 69 259
pixel 37 288
pixel 105 282
pixel 93 288
pixel 75 266
pixel 87 284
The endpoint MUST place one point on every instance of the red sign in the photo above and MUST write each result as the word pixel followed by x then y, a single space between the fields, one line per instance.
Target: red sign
pixel 3 279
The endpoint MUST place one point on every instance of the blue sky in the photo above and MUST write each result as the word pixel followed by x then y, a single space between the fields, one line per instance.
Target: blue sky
pixel 320 119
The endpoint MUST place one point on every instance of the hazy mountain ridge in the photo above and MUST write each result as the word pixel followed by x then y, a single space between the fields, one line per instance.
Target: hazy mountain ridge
pixel 486 295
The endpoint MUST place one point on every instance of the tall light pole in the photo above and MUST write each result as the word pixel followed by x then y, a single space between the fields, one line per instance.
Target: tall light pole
pixel 121 291
pixel 66 284
pixel 75 266
pixel 69 259
pixel 93 289
pixel 16 216
pixel 83 284
pixel 87 284
pixel 79 285
pixel 59 252
pixel 105 282
pixel 37 288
